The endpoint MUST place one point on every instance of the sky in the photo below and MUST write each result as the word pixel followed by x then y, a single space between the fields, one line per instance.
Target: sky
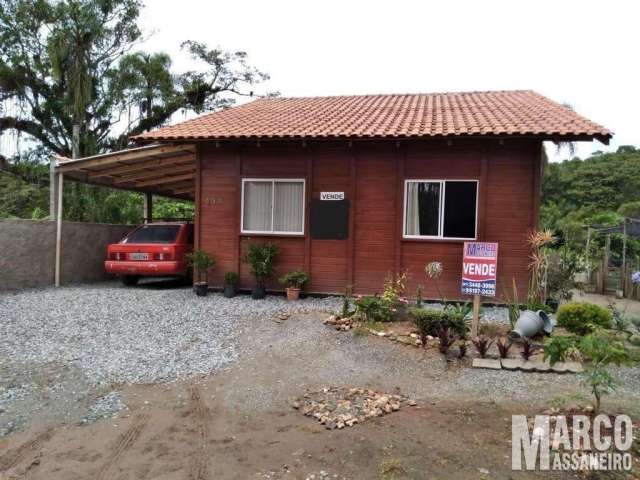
pixel 584 53
pixel 581 52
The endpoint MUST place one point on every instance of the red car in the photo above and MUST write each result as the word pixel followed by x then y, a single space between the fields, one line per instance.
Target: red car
pixel 152 250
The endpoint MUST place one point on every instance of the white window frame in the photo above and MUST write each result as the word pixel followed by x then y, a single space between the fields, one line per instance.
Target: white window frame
pixel 273 192
pixel 443 188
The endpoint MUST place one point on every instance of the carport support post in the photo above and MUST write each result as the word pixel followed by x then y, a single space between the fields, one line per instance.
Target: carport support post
pixel 148 208
pixel 53 189
pixel 59 228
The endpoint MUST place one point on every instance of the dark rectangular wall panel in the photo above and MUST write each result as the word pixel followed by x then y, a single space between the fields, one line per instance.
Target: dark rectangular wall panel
pixel 329 219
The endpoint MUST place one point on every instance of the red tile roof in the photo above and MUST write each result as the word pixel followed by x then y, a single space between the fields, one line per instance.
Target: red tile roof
pixel 389 116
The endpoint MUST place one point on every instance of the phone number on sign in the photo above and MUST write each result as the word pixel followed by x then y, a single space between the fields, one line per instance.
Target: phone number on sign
pixel 486 291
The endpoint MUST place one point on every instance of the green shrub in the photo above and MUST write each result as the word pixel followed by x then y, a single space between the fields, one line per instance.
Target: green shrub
pixel 296 279
pixel 428 321
pixel 260 257
pixel 583 318
pixel 202 262
pixel 431 321
pixel 599 350
pixel 394 287
pixel 458 318
pixel 373 309
pixel 231 279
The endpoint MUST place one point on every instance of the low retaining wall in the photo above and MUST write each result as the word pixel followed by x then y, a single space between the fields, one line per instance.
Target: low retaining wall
pixel 28 250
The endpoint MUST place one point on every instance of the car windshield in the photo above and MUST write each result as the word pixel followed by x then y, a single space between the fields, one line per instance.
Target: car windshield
pixel 153 234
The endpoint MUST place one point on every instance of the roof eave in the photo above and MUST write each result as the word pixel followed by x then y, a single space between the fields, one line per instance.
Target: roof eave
pixel 603 137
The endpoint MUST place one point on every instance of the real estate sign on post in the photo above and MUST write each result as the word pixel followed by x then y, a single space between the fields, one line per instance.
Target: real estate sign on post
pixel 479 267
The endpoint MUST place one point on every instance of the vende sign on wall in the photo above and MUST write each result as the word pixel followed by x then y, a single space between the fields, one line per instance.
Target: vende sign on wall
pixel 331 195
pixel 479 267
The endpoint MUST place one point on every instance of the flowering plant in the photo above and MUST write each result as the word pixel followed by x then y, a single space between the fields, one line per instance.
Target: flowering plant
pixel 394 287
pixel 434 271
pixel 635 277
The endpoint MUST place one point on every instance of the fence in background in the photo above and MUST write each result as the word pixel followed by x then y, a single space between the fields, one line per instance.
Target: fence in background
pixel 27 252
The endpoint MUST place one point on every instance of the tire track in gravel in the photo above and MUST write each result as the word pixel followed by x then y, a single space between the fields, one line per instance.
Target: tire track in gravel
pixel 200 411
pixel 122 445
pixel 15 456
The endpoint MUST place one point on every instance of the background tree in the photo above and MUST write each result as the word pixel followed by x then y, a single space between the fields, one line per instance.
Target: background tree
pixel 66 63
pixel 600 190
pixel 57 61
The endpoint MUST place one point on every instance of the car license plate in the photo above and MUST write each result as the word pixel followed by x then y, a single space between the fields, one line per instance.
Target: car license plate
pixel 139 256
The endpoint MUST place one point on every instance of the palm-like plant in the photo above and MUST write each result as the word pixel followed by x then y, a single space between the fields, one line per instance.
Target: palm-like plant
pixel 539 241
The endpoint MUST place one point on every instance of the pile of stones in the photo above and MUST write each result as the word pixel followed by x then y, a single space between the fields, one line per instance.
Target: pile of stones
pixel 340 324
pixel 339 407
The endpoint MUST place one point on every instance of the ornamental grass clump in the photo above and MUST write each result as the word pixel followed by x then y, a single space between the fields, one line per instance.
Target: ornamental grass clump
pixel 584 318
pixel 529 349
pixel 503 344
pixel 482 344
pixel 462 349
pixel 446 339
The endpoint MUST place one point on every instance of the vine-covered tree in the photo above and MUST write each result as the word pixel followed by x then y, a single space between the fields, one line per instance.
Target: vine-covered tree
pixel 67 63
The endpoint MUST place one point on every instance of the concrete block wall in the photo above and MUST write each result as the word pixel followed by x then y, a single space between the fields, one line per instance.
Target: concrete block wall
pixel 28 248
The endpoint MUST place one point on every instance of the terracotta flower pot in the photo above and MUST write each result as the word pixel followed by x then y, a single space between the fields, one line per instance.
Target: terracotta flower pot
pixel 293 293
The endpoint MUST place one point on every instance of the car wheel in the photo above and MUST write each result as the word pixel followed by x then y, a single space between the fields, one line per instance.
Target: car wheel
pixel 130 280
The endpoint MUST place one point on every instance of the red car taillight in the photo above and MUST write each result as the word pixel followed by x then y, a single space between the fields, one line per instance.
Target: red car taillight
pixel 163 256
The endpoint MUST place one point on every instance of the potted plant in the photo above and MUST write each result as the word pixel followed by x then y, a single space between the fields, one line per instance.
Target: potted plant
pixel 230 283
pixel 260 257
pixel 201 262
pixel 294 282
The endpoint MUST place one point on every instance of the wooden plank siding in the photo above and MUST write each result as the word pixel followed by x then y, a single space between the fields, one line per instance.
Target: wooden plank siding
pixel 372 175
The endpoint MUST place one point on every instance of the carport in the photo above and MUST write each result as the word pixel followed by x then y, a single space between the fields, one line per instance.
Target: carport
pixel 168 170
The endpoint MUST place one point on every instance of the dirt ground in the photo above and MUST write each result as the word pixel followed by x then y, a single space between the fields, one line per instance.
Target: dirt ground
pixel 237 423
pixel 630 307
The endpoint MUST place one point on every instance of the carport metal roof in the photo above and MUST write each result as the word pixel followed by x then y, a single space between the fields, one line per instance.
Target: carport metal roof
pixel 167 170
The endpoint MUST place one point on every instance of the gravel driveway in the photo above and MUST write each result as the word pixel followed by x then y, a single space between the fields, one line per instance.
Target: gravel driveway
pixel 60 346
pixel 66 353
